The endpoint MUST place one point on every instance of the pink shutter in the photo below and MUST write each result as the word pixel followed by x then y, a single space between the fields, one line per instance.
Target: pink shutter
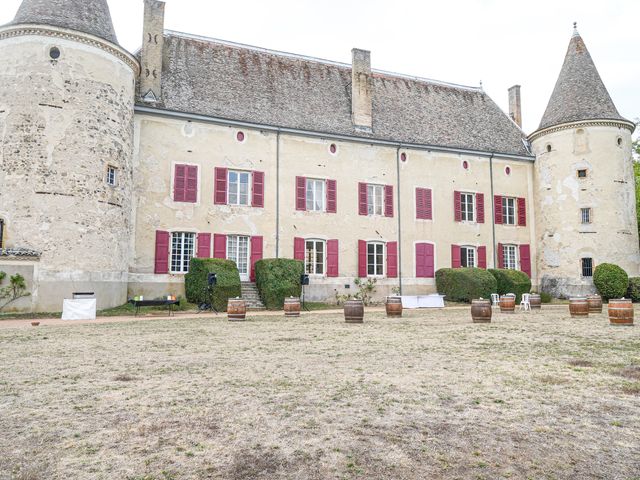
pixel 457 206
pixel 362 259
pixel 333 251
pixel 220 246
pixel 298 249
pixel 362 199
pixel 162 252
pixel 497 207
pixel 191 184
pixel 301 194
pixel 179 183
pixel 392 259
pixel 332 196
pixel 388 201
pixel 482 257
pixel 204 245
pixel 421 260
pixel 522 212
pixel 423 204
pixel 480 207
pixel 525 259
pixel 430 264
pixel 500 256
pixel 220 196
pixel 257 197
pixel 456 256
pixel 429 205
pixel 256 254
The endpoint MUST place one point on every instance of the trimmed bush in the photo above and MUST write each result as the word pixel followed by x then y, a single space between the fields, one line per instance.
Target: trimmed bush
pixel 633 292
pixel 195 282
pixel 545 297
pixel 511 281
pixel 611 281
pixel 277 279
pixel 465 284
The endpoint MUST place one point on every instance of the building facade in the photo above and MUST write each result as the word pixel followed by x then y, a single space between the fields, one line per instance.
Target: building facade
pixel 118 169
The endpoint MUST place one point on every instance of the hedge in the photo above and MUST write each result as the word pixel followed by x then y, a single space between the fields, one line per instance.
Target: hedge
pixel 277 279
pixel 228 286
pixel 633 292
pixel 511 281
pixel 611 281
pixel 465 284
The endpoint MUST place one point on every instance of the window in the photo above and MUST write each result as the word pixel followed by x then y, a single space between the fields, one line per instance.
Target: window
pixel 182 251
pixel 508 211
pixel 314 263
pixel 316 196
pixel 375 199
pixel 585 215
pixel 467 204
pixel 54 53
pixel 510 257
pixel 1 233
pixel 239 188
pixel 238 252
pixel 587 267
pixel 375 259
pixel 111 176
pixel 468 257
pixel 582 173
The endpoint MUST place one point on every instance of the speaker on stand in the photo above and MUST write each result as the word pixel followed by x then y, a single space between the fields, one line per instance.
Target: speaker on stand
pixel 212 281
pixel 304 281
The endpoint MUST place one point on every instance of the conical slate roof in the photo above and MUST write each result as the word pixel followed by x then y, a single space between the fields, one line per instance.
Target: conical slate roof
pixel 580 93
pixel 87 16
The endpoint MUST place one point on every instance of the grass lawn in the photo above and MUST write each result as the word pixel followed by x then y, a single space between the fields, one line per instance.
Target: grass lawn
pixel 429 396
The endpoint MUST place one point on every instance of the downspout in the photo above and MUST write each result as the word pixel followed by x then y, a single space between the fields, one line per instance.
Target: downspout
pixel 399 220
pixel 278 194
pixel 493 213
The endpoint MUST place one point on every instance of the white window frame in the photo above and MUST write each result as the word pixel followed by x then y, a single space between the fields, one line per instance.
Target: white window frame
pixel 510 262
pixel 471 254
pixel 235 241
pixel 509 211
pixel 586 216
pixel 582 267
pixel 312 268
pixel 375 199
pixel 236 187
pixel 381 267
pixel 468 207
pixel 183 249
pixel 112 176
pixel 316 195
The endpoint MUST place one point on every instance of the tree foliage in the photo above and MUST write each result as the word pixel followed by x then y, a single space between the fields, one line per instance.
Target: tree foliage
pixel 16 289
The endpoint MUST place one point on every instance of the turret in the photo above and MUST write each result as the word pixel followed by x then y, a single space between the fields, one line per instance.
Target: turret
pixel 584 183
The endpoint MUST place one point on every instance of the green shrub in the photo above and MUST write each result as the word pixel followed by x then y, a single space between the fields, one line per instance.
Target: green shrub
pixel 511 281
pixel 277 279
pixel 465 284
pixel 611 281
pixel 633 292
pixel 228 286
pixel 545 297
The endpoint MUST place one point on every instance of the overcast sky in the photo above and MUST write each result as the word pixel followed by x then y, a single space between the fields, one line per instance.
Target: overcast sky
pixel 498 42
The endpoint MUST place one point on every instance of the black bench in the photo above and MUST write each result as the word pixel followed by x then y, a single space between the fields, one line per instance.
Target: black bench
pixel 154 303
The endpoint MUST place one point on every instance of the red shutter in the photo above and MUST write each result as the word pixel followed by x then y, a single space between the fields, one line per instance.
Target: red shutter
pixel 220 196
pixel 522 212
pixel 429 205
pixel 456 256
pixel 256 254
pixel 333 253
pixel 482 257
pixel 301 194
pixel 457 206
pixel 191 184
pixel 525 259
pixel 480 207
pixel 179 183
pixel 500 256
pixel 220 246
pixel 497 207
pixel 421 260
pixel 430 265
pixel 388 201
pixel 392 260
pixel 257 198
pixel 298 249
pixel 162 252
pixel 362 259
pixel 362 199
pixel 424 208
pixel 204 245
pixel 332 196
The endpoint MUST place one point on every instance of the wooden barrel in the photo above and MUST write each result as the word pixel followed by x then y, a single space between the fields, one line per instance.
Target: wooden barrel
pixel 394 306
pixel 481 311
pixel 535 301
pixel 507 304
pixel 621 312
pixel 354 311
pixel 578 307
pixel 292 307
pixel 236 310
pixel 595 303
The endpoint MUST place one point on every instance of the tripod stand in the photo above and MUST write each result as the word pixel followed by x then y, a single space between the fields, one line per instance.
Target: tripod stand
pixel 304 305
pixel 203 307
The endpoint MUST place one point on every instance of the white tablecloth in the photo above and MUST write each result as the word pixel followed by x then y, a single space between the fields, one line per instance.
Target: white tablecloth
pixel 423 301
pixel 79 309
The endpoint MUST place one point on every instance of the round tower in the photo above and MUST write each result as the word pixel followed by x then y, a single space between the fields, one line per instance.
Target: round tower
pixel 584 181
pixel 66 120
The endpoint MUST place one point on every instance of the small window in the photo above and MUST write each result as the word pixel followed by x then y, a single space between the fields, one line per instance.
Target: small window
pixel 468 257
pixel 375 259
pixel 508 211
pixel 182 251
pixel 314 263
pixel 1 234
pixel 619 141
pixel 375 199
pixel 112 176
pixel 549 148
pixel 507 170
pixel 585 214
pixel 465 165
pixel 54 53
pixel 587 267
pixel 510 257
pixel 316 197
pixel 239 187
pixel 467 204
pixel 403 157
pixel 582 173
pixel 240 137
pixel 333 149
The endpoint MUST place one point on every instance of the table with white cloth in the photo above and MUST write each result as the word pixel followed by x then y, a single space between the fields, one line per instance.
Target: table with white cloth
pixel 79 309
pixel 423 301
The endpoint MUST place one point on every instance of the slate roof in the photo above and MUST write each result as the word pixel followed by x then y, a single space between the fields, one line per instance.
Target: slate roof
pixel 579 93
pixel 236 82
pixel 87 16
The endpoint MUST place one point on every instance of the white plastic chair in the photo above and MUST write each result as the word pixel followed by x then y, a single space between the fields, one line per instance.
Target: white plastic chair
pixel 525 303
pixel 495 299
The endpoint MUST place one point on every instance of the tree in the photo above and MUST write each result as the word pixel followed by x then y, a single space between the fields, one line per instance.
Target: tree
pixel 16 289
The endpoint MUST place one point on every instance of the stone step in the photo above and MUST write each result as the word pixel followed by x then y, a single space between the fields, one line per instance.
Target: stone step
pixel 251 295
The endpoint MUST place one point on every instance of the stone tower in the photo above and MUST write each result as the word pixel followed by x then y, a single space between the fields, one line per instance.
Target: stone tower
pixel 66 121
pixel 584 182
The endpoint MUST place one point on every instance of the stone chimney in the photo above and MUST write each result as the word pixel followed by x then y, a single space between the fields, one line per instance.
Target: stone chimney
pixel 361 89
pixel 515 105
pixel 151 56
